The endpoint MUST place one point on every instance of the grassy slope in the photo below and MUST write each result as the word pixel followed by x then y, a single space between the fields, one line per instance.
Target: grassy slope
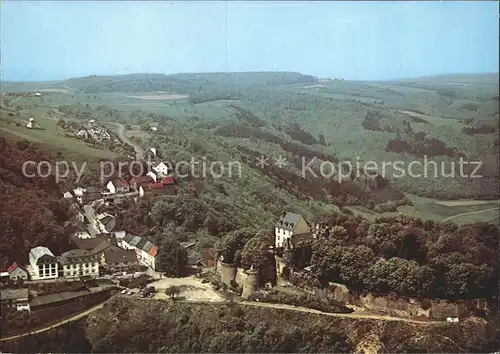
pixel 339 120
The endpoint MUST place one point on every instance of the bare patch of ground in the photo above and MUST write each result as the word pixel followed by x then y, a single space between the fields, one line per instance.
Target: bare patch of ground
pixel 192 289
pixel 161 97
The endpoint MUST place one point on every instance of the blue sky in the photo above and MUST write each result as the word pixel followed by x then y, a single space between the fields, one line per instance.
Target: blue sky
pixel 353 40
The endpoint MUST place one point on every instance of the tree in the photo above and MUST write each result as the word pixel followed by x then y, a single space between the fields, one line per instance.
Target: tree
pixel 172 258
pixel 172 291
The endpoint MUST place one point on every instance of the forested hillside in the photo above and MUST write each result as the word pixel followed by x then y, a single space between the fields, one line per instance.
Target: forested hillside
pixel 32 211
pixel 157 326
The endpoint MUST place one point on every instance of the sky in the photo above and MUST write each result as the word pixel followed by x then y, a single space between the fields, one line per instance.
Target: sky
pixel 54 40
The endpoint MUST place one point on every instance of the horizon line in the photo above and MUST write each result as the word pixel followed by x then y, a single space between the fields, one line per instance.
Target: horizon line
pixel 250 72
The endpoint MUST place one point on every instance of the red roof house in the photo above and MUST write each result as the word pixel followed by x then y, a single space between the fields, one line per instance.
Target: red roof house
pixel 136 182
pixel 118 186
pixel 168 180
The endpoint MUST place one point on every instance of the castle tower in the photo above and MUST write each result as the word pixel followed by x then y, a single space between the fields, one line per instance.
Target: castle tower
pixel 250 284
pixel 227 272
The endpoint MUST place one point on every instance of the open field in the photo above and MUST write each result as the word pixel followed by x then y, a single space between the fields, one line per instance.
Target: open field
pixel 459 211
pixel 50 135
pixel 160 97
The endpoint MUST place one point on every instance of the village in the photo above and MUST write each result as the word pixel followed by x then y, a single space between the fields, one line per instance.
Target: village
pixel 106 259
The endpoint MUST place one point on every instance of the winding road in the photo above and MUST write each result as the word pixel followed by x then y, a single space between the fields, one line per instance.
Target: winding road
pixel 354 315
pixel 468 213
pixel 57 324
pixel 139 151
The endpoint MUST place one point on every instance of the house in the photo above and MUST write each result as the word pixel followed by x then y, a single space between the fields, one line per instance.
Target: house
pixel 101 247
pixel 16 299
pixel 116 259
pixel 162 169
pixel 91 194
pixel 38 94
pixel 76 263
pixel 31 123
pixel 150 153
pixel 43 263
pixel 88 243
pixel 4 277
pixel 68 195
pixel 82 234
pixel 79 193
pixel 118 186
pixel 118 235
pixel 105 222
pixel 146 251
pixel 167 180
pixel 291 227
pixel 137 182
pixel 83 133
pixel 153 128
pixel 80 216
pixel 17 273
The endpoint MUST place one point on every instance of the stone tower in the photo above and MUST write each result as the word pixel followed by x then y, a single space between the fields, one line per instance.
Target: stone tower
pixel 250 284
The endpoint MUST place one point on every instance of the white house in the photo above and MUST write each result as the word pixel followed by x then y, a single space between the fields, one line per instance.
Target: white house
pixel 43 263
pixel 118 186
pixel 79 193
pixel 151 152
pixel 291 227
pixel 17 273
pixel 82 235
pixel 162 168
pixel 154 129
pixel 78 262
pixel 146 251
pixel 31 123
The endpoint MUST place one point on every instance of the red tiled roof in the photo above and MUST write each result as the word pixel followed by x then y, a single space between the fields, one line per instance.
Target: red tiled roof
pixel 155 185
pixel 168 180
pixel 12 268
pixel 120 183
pixel 141 180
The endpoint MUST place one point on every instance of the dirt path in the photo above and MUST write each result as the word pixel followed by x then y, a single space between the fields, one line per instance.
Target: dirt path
pixel 469 213
pixel 57 324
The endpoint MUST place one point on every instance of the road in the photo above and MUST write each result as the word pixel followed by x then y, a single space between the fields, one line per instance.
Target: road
pixel 57 324
pixel 354 315
pixel 139 151
pixel 469 213
pixel 90 214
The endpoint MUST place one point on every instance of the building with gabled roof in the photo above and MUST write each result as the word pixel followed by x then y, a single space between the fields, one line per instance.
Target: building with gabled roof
pixel 116 259
pixel 118 186
pixel 17 299
pixel 17 273
pixel 146 250
pixel 78 262
pixel 290 229
pixel 43 263
pixel 137 182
